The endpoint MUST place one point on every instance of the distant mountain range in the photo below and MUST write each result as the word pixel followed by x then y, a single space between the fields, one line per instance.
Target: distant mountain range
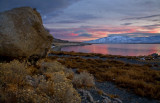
pixel 126 39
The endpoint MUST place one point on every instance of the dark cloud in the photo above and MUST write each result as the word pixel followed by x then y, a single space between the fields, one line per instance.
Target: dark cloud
pixel 44 6
pixel 61 30
pixel 111 30
pixel 136 34
pixel 68 21
pixel 75 19
pixel 155 20
pixel 144 17
pixel 71 19
pixel 80 31
pixel 152 26
pixel 85 35
pixel 85 17
pixel 127 24
pixel 84 27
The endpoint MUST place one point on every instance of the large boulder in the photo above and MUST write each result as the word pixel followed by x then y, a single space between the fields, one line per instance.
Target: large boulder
pixel 22 34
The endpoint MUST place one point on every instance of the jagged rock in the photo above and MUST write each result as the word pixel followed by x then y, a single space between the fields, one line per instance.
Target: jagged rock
pixel 117 99
pixel 22 34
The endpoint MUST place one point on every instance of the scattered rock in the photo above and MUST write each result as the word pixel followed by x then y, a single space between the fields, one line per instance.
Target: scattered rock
pixel 143 58
pixel 114 102
pixel 90 98
pixel 86 96
pixel 154 55
pixel 106 100
pixel 22 34
pixel 118 100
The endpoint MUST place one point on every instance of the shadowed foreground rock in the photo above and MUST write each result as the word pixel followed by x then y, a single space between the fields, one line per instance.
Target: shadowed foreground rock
pixel 22 34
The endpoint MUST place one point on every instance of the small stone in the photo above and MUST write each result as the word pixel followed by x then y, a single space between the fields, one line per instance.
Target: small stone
pixel 87 95
pixel 90 98
pixel 117 99
pixel 107 100
pixel 114 102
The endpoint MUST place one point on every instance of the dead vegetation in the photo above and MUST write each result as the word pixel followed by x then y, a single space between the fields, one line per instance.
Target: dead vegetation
pixel 83 79
pixel 148 58
pixel 140 79
pixel 46 82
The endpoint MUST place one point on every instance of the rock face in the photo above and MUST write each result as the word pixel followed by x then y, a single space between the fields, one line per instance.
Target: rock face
pixel 22 34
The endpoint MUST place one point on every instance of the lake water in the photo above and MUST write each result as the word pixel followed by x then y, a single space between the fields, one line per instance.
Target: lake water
pixel 117 49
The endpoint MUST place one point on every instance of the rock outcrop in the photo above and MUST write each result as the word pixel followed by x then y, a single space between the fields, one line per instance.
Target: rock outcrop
pixel 22 34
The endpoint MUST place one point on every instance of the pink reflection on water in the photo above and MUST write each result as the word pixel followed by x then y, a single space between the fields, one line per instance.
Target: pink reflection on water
pixel 117 49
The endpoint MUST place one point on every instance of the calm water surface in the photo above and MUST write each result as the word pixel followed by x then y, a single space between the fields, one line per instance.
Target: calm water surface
pixel 117 49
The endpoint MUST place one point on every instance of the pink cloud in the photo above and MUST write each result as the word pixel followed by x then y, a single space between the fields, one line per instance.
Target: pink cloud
pixel 98 32
pixel 72 34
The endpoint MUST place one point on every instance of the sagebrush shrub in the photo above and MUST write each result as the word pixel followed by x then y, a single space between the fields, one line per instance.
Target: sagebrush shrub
pixel 44 83
pixel 83 79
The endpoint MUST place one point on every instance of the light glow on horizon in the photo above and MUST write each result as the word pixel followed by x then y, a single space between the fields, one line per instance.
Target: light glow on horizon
pixel 73 34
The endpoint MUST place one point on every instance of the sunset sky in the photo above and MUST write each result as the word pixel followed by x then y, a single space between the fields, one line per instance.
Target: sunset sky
pixel 82 20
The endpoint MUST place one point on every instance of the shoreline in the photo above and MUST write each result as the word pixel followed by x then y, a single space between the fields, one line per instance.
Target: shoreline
pixel 59 46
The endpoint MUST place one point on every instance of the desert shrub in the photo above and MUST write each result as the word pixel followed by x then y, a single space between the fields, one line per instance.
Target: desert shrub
pixel 64 91
pixel 50 66
pixel 13 72
pixel 58 89
pixel 31 96
pixel 47 67
pixel 32 70
pixel 12 79
pixel 69 73
pixel 83 79
pixel 29 84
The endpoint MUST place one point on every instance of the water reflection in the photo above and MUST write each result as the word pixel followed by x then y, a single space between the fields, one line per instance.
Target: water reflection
pixel 117 49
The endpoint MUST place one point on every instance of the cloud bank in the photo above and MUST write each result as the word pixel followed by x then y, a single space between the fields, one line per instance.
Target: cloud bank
pixel 80 20
pixel 44 6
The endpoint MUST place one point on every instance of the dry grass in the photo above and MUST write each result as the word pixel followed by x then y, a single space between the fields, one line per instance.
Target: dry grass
pixel 100 92
pixel 83 79
pixel 148 58
pixel 45 82
pixel 96 55
pixel 140 79
pixel 113 96
pixel 79 54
